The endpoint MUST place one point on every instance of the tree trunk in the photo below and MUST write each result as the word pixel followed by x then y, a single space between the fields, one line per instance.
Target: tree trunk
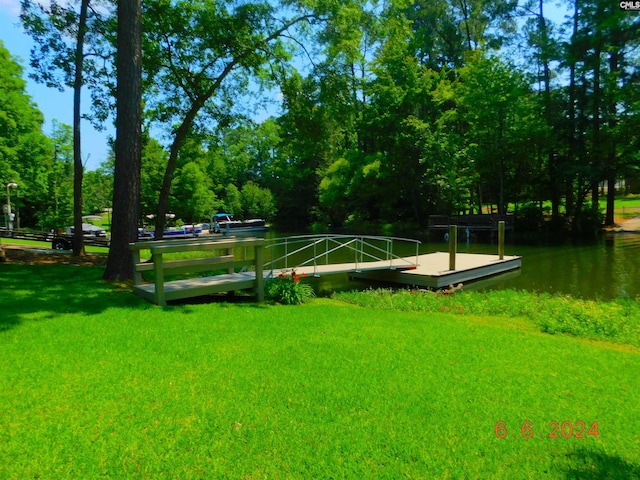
pixel 78 241
pixel 552 157
pixel 126 188
pixel 570 209
pixel 612 121
pixel 165 190
pixel 465 14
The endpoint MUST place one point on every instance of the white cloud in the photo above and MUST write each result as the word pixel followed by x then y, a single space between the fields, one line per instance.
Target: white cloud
pixel 10 7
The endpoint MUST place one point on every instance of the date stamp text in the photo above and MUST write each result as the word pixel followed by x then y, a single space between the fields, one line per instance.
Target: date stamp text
pixel 554 429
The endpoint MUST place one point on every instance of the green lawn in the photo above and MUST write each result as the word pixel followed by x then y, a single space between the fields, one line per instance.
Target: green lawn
pixel 33 243
pixel 627 206
pixel 97 383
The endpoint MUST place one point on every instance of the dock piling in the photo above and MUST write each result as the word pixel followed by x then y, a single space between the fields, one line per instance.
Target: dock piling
pixel 453 246
pixel 501 225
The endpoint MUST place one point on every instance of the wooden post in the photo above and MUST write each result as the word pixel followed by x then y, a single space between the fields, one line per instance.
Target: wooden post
pixel 158 267
pixel 231 270
pixel 501 224
pixel 453 246
pixel 137 275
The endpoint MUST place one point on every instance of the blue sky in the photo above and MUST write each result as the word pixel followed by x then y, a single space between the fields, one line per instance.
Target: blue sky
pixel 53 104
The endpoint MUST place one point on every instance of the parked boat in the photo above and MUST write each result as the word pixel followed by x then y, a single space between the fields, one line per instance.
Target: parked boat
pixel 185 231
pixel 225 223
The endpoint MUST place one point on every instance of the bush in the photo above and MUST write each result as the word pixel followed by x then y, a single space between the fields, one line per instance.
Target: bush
pixel 529 217
pixel 288 289
pixel 588 221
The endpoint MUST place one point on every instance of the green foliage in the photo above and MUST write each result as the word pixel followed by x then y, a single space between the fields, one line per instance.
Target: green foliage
pixel 257 202
pixel 588 221
pixel 408 109
pixel 54 30
pixel 529 217
pixel 251 201
pixel 55 200
pixel 193 199
pixel 232 200
pixel 154 162
pixel 25 152
pixel 617 321
pixel 288 289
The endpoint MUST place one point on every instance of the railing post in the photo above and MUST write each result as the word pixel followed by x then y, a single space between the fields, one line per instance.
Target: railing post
pixel 259 275
pixel 501 225
pixel 453 245
pixel 356 254
pixel 326 250
pixel 315 258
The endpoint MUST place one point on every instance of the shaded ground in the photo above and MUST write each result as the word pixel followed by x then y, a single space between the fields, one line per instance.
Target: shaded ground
pixel 38 256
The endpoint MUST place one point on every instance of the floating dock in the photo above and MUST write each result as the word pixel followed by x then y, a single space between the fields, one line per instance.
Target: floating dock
pixel 433 270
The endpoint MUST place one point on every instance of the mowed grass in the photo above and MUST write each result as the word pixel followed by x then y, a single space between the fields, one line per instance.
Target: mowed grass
pixel 97 383
pixel 47 245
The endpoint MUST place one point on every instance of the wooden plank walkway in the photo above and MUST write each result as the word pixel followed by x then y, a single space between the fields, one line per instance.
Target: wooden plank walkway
pixel 380 265
pixel 198 286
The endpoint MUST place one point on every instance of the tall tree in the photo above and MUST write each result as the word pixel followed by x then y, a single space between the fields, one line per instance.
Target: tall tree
pixel 200 55
pixel 78 169
pixel 57 208
pixel 126 191
pixel 59 60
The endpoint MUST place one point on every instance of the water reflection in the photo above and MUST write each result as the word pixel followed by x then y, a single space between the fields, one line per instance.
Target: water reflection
pixel 606 267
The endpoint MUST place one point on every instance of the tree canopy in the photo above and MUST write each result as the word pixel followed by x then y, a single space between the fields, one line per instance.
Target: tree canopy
pixel 25 151
pixel 387 113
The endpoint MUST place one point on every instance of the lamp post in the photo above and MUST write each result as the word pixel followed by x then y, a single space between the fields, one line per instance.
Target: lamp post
pixel 8 220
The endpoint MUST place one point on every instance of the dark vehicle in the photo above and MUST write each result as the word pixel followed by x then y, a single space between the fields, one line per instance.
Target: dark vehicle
pixel 92 235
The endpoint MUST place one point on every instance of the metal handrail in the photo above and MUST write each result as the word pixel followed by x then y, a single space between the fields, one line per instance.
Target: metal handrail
pixel 333 243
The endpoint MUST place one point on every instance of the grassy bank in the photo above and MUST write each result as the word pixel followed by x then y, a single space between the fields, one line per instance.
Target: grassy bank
pixel 617 321
pixel 98 383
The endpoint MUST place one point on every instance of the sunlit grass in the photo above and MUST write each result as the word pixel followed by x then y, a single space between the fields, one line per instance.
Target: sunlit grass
pixel 98 383
pixel 47 245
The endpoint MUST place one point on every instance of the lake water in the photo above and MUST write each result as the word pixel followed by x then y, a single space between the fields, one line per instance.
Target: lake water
pixel 606 268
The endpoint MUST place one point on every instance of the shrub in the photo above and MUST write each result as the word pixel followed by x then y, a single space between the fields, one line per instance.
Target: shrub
pixel 288 289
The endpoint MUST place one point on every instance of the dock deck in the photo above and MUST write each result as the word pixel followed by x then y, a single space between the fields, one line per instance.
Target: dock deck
pixel 433 270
